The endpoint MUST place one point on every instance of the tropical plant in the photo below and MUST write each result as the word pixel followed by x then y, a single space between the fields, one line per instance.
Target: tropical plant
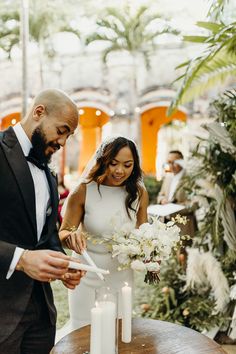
pixel 153 187
pixel 211 183
pixel 213 66
pixel 134 33
pixel 217 8
pixel 45 19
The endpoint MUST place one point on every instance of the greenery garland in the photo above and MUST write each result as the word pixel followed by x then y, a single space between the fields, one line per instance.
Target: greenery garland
pixel 170 300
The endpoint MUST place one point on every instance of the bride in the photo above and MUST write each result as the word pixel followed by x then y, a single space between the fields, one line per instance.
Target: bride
pixel 111 194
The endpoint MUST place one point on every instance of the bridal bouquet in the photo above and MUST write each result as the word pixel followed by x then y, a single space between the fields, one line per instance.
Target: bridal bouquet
pixel 144 249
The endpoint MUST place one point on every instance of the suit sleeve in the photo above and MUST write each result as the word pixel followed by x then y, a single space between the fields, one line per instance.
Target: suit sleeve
pixel 7 251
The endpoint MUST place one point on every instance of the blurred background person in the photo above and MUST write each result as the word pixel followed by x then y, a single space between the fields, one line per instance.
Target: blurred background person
pixel 173 191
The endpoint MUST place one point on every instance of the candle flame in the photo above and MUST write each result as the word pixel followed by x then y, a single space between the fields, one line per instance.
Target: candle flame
pixel 96 304
pixel 126 284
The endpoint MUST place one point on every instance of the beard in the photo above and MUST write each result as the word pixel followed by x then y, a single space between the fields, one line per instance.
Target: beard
pixel 40 145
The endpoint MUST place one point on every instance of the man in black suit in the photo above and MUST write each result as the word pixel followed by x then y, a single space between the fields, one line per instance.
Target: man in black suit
pixel 30 251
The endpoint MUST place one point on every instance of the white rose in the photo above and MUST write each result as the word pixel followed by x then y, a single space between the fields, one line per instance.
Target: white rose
pixel 153 266
pixel 123 258
pixel 134 249
pixel 138 265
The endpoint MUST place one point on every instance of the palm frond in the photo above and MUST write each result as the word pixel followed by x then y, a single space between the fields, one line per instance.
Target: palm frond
pixel 98 37
pixel 110 24
pixel 127 31
pixel 113 48
pixel 71 30
pixel 217 62
pixel 118 15
pixel 209 75
pixel 216 8
pixel 196 39
pixel 211 26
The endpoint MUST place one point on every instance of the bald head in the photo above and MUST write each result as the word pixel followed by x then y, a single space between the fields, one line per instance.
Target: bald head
pixel 51 104
pixel 55 101
pixel 52 118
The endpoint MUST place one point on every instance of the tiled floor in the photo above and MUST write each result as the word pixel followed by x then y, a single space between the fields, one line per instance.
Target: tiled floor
pixel 230 349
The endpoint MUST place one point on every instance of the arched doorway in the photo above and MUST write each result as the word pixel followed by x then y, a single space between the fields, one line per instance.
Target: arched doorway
pixel 153 116
pixel 91 121
pixel 10 119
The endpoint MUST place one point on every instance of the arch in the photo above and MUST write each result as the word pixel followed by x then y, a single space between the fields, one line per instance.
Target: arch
pixel 91 121
pixel 153 116
pixel 9 119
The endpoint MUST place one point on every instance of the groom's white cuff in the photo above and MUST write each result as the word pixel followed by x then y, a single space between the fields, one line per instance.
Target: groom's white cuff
pixel 17 254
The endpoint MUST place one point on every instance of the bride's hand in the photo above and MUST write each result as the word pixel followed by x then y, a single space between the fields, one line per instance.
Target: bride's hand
pixel 76 242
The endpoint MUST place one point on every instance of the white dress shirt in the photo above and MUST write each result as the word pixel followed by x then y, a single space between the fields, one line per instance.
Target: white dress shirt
pixel 42 193
pixel 174 183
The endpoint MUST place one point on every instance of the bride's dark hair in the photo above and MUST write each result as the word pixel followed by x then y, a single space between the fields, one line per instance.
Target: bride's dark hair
pixel 105 156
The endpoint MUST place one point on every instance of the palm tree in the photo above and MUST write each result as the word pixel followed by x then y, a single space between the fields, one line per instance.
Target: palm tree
pixel 213 66
pixel 217 8
pixel 134 33
pixel 45 19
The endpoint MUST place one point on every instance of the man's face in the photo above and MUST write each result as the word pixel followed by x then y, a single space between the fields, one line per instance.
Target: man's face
pixel 51 134
pixel 174 167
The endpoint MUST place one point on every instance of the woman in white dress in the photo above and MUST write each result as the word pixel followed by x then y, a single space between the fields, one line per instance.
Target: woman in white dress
pixel 112 196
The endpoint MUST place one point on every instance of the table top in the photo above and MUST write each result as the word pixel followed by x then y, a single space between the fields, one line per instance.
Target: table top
pixel 148 337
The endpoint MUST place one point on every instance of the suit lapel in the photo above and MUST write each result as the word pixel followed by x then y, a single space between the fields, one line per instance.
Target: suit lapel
pixel 51 219
pixel 53 190
pixel 20 168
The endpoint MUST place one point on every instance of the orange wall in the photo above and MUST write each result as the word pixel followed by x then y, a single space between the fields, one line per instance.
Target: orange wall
pixel 151 122
pixel 90 126
pixel 6 121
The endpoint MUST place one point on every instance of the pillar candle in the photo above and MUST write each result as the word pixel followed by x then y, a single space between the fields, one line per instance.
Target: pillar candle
pixel 126 303
pixel 108 327
pixel 96 331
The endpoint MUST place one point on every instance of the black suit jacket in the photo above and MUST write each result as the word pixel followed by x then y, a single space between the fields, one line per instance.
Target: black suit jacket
pixel 18 228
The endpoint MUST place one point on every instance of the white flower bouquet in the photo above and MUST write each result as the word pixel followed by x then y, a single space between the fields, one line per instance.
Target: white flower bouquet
pixel 144 249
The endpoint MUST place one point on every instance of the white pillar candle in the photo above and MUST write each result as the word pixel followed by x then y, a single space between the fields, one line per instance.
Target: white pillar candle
pixel 108 327
pixel 126 303
pixel 96 331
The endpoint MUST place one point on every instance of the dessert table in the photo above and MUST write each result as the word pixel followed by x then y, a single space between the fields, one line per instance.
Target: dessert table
pixel 148 337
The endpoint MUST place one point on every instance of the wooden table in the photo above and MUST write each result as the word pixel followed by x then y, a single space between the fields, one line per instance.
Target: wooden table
pixel 148 337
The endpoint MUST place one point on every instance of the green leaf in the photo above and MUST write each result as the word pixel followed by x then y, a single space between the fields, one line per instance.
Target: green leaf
pixel 212 67
pixel 211 26
pixel 195 39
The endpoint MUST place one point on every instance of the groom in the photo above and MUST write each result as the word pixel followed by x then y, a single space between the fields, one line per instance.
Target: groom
pixel 30 251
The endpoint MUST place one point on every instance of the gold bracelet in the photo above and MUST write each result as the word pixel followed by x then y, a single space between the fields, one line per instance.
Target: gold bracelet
pixel 71 229
pixel 18 267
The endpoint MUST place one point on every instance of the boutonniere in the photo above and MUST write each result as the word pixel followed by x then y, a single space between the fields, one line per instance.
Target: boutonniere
pixel 52 169
pixel 53 172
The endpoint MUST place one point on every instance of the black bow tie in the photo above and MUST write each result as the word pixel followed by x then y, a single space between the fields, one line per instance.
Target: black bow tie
pixel 36 162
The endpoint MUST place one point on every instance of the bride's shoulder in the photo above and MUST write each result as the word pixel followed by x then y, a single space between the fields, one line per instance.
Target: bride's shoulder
pixel 80 192
pixel 141 189
pixel 143 194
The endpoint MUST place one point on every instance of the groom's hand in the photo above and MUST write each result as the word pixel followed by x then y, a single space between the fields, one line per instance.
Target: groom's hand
pixel 72 278
pixel 75 241
pixel 44 265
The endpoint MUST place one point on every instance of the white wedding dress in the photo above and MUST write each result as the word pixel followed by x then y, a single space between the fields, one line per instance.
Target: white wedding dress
pixel 104 212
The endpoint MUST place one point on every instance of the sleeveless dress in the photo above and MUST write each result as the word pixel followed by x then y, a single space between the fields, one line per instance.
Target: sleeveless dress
pixel 103 212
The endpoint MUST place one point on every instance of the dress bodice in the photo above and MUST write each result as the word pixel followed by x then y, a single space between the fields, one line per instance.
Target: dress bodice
pixel 105 209
pixel 104 212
